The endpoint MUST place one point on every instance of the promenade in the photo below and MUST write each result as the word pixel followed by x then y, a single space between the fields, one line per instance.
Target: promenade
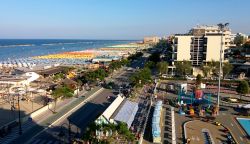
pixel 32 127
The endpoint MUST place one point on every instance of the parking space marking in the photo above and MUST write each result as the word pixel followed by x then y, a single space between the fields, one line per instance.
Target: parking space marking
pixel 232 124
pixel 241 138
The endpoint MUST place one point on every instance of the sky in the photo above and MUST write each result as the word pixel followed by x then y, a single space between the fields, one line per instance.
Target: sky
pixel 116 19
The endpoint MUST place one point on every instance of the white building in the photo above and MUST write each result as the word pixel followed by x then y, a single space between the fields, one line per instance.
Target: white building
pixel 151 40
pixel 19 80
pixel 213 30
pixel 202 44
pixel 245 37
pixel 120 110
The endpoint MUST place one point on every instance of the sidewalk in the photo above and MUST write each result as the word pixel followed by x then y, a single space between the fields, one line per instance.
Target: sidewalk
pixel 8 114
pixel 38 123
pixel 115 74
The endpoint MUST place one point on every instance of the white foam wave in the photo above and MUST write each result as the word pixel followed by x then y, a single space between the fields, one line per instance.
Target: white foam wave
pixel 20 45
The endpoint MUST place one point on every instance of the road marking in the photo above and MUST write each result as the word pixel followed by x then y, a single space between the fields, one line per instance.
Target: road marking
pixel 241 131
pixel 238 127
pixel 241 138
pixel 232 124
pixel 193 138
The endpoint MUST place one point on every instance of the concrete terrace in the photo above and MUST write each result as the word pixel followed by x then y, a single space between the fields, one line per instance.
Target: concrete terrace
pixel 195 131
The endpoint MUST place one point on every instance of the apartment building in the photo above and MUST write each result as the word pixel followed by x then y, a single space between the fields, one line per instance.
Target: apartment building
pixel 151 40
pixel 202 44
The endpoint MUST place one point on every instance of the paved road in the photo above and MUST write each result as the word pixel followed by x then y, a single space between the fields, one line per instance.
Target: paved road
pixel 48 130
pixel 78 120
pixel 226 117
pixel 51 119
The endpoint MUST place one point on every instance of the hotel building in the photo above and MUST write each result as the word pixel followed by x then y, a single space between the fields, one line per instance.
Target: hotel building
pixel 151 40
pixel 202 44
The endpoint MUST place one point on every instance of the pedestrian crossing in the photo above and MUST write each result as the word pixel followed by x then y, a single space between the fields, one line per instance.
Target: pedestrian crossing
pixel 14 133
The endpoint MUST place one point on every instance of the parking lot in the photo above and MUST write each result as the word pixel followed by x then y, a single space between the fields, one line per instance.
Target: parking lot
pixel 167 125
pixel 199 132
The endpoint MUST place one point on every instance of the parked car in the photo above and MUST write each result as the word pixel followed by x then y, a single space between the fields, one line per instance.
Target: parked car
pixel 165 76
pixel 130 69
pixel 188 77
pixel 217 123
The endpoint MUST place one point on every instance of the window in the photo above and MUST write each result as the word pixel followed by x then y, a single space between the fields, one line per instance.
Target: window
pixel 175 56
pixel 175 49
pixel 176 41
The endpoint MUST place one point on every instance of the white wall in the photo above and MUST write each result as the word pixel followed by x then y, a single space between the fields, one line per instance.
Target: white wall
pixel 112 107
pixel 33 76
pixel 213 48
pixel 183 48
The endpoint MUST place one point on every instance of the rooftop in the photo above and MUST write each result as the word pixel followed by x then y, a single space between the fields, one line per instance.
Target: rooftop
pixel 112 107
pixel 51 71
pixel 126 112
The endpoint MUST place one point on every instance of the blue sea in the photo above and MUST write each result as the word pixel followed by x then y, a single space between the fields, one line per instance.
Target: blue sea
pixel 22 48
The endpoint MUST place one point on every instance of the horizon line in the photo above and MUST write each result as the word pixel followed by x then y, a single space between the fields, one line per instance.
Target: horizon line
pixel 66 39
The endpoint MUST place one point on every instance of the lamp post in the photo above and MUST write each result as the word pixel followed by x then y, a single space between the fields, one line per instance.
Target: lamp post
pixel 69 131
pixel 221 27
pixel 19 116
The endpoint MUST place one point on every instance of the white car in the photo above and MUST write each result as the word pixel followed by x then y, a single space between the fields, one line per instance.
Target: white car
pixel 239 106
pixel 190 77
pixel 165 76
pixel 129 69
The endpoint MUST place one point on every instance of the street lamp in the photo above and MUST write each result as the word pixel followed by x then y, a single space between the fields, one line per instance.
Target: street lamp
pixel 221 27
pixel 19 115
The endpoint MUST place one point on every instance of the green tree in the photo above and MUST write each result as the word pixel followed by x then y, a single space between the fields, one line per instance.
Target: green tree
pixel 227 68
pixel 239 40
pixel 58 76
pixel 93 76
pixel 206 70
pixel 162 44
pixel 246 45
pixel 162 67
pixel 243 88
pixel 154 57
pixel 61 92
pixel 125 62
pixel 198 79
pixel 141 77
pixel 150 64
pixel 122 129
pixel 66 69
pixel 183 67
pixel 118 64
pixel 135 56
pixel 214 66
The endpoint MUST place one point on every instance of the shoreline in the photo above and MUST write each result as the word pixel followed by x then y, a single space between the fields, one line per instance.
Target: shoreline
pixel 76 57
pixel 43 47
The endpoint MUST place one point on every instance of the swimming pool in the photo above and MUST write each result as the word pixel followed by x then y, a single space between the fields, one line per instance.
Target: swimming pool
pixel 245 123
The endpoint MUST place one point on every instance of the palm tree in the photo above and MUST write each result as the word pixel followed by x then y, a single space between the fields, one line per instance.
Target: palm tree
pixel 206 70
